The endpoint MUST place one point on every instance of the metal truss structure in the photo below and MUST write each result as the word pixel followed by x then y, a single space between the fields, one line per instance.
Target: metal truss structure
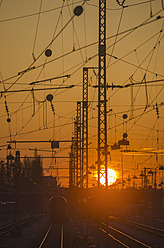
pixel 85 129
pixel 102 119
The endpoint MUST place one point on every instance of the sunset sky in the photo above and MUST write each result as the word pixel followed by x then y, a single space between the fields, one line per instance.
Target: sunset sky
pixel 135 53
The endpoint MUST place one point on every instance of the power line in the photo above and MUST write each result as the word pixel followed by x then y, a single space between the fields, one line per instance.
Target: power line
pixel 91 44
pixel 34 14
pixel 40 89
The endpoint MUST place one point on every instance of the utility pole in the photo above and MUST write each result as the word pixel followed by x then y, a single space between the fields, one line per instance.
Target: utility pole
pixel 85 129
pixel 102 119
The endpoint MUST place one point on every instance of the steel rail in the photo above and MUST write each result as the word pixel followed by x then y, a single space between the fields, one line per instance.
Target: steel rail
pixel 14 225
pixel 45 237
pixel 139 226
pixel 62 237
pixel 44 240
pixel 124 235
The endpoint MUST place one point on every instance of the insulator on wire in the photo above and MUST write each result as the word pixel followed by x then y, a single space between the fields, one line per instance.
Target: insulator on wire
pixel 6 107
pixel 33 97
pixel 52 107
pixel 157 111
pixel 49 98
pixel 7 111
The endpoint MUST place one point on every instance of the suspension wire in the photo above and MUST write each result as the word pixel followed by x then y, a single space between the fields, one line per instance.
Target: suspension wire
pixel 139 65
pixel 85 34
pixel 39 107
pixel 1 3
pixel 81 65
pixel 91 44
pixel 42 12
pixel 139 116
pixel 53 130
pixel 162 4
pixel 22 116
pixel 148 134
pixel 151 11
pixel 23 126
pixel 30 66
pixel 132 30
pixel 73 33
pixel 33 102
pixel 61 127
pixel 33 131
pixel 152 53
pixel 121 123
pixel 132 103
pixel 55 29
pixel 62 43
pixel 113 47
pixel 94 43
pixel 42 67
pixel 6 107
pixel 148 111
pixel 73 24
pixel 157 54
pixel 36 31
pixel 125 6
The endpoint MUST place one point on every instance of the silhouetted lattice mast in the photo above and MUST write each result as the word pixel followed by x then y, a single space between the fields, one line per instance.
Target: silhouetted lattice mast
pixel 85 130
pixel 102 120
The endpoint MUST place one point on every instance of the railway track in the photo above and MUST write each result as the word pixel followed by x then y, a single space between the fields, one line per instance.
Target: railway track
pixel 122 238
pixel 130 234
pixel 10 228
pixel 140 226
pixel 54 237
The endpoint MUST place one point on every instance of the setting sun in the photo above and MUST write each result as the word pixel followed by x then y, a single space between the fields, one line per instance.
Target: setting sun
pixel 111 177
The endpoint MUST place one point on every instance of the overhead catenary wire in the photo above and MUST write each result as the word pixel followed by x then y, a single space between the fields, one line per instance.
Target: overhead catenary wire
pixel 39 89
pixel 113 47
pixel 74 29
pixel 26 89
pixel 93 103
pixel 94 43
pixel 41 12
pixel 42 52
pixel 36 31
pixel 6 107
pixel 125 6
pixel 1 3
pixel 139 66
pixel 54 33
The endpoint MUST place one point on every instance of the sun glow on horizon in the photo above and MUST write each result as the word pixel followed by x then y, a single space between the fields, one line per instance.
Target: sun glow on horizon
pixel 111 177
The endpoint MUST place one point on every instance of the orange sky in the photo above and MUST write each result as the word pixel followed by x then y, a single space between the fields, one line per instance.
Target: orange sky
pixel 143 46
